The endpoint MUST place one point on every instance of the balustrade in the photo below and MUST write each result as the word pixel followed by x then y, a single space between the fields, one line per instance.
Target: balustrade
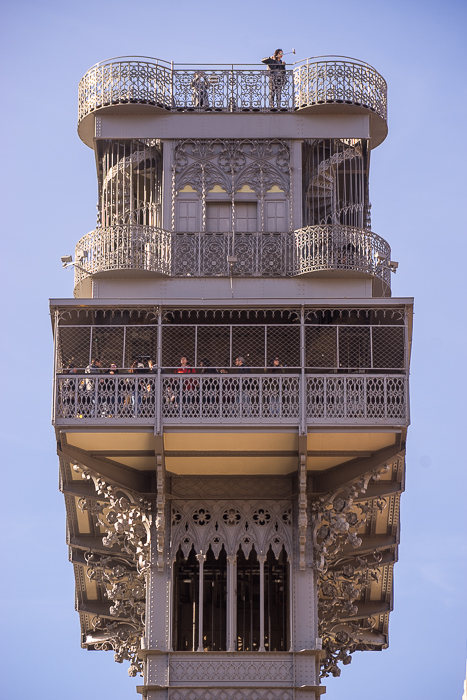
pixel 230 399
pixel 324 80
pixel 201 254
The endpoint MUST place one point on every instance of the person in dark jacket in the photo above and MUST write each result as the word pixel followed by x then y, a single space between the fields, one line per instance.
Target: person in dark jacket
pixel 277 77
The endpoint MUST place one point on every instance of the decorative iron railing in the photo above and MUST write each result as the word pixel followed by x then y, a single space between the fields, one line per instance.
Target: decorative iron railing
pixel 341 248
pixel 334 80
pixel 123 247
pixel 257 254
pixel 143 80
pixel 201 254
pixel 231 398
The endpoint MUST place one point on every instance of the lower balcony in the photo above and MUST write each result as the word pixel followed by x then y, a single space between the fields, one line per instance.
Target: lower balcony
pixel 232 399
pixel 313 249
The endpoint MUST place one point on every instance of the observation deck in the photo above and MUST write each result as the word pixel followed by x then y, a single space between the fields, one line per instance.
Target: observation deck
pixel 323 84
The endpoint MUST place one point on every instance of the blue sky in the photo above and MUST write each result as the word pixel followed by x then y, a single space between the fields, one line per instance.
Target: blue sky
pixel 48 191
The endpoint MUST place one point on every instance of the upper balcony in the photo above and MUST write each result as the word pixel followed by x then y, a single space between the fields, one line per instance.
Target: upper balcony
pixel 319 84
pixel 313 250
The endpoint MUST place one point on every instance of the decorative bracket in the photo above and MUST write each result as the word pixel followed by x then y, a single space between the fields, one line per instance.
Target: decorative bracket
pixel 302 512
pixel 160 516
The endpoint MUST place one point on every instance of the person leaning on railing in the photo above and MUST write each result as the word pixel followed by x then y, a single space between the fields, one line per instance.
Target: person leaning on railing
pixel 277 77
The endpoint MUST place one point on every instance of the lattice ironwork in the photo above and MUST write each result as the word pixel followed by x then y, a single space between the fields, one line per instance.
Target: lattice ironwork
pixel 152 81
pixel 140 345
pixel 366 398
pixel 258 254
pixel 107 345
pixel 73 347
pixel 228 397
pixel 337 81
pixel 341 248
pixel 354 347
pixel 340 347
pixel 321 346
pixel 388 347
pixel 106 397
pixel 123 247
pixel 231 397
pixel 344 347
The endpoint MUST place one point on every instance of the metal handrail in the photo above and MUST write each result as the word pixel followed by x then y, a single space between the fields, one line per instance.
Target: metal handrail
pixel 152 59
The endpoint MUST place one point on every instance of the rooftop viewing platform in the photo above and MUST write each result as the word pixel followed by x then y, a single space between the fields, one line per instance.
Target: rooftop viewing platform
pixel 313 85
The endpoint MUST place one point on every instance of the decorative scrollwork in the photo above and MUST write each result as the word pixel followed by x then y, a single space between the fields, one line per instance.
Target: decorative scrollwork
pixel 336 521
pixel 126 520
pixel 131 80
pixel 232 525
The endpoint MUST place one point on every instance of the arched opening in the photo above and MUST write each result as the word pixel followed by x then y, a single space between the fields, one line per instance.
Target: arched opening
pixel 215 601
pixel 248 602
pixel 276 602
pixel 185 602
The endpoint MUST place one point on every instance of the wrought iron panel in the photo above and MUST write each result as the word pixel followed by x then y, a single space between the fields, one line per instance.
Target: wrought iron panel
pixel 230 398
pixel 214 249
pixel 341 248
pixel 197 398
pixel 146 81
pixel 337 81
pixel 123 247
pixel 356 398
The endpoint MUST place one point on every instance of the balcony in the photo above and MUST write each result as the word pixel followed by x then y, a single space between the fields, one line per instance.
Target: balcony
pixel 314 249
pixel 231 399
pixel 312 83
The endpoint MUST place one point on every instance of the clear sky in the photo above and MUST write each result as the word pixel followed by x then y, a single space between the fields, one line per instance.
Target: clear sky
pixel 418 192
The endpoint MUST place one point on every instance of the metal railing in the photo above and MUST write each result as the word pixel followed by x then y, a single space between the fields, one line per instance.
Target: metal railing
pixel 123 247
pixel 201 254
pixel 231 398
pixel 339 247
pixel 257 254
pixel 230 88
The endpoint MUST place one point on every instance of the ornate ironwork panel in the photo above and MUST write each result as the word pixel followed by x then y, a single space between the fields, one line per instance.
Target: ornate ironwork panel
pixel 123 247
pixel 132 80
pixel 232 525
pixel 341 248
pixel 230 398
pixel 337 81
pixel 363 398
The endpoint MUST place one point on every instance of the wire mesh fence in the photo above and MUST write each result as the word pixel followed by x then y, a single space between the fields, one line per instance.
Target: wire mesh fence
pixel 327 347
